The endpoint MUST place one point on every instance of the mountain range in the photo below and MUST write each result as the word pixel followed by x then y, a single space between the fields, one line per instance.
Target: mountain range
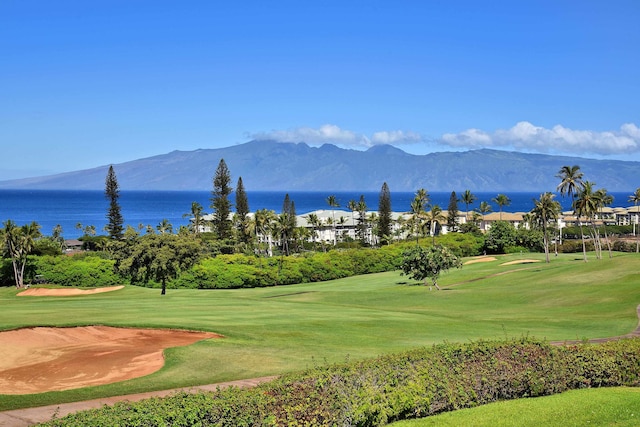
pixel 270 165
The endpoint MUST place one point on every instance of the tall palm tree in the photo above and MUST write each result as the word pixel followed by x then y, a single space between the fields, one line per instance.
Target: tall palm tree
pixel 587 204
pixel 196 213
pixel 332 201
pixel 418 216
pixel 545 210
pixel 501 200
pixel 570 184
pixel 315 223
pixel 635 198
pixel 605 199
pixel 353 207
pixel 434 218
pixel 263 223
pixel 468 198
pixel 362 219
pixel 485 208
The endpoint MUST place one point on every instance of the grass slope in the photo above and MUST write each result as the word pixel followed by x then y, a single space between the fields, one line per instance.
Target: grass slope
pixel 618 406
pixel 274 330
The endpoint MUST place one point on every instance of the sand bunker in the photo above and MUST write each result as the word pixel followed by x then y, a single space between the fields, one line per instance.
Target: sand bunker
pixel 521 261
pixel 65 292
pixel 483 259
pixel 35 360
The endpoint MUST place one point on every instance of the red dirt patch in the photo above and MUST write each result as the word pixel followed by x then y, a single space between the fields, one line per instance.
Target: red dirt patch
pixel 35 360
pixel 64 292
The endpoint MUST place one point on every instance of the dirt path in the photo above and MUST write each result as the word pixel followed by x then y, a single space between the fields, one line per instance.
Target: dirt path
pixel 30 416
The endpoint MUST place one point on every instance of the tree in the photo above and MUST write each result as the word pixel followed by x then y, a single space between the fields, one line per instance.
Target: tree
pixel 361 231
pixel 263 224
pixel 604 199
pixel 18 244
pixel 332 201
pixel 384 215
pixel 220 201
pixel 164 227
pixel 242 212
pixel 570 184
pixel 158 257
pixel 484 209
pixel 115 221
pixel 418 213
pixel 197 214
pixel 500 236
pixel 467 198
pixel 635 198
pixel 501 200
pixel 427 263
pixel 452 212
pixel 587 204
pixel 545 210
pixel 434 219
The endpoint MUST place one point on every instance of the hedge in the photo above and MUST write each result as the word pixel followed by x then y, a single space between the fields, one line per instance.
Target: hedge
pixel 80 270
pixel 378 391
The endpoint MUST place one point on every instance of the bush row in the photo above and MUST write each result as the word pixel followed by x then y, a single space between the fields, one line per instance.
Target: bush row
pixel 375 392
pixel 241 271
pixel 79 270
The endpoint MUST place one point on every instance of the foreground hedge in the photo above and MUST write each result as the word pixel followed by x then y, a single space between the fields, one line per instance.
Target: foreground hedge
pixel 375 392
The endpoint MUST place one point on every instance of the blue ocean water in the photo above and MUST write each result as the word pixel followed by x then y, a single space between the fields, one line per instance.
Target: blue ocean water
pixel 68 207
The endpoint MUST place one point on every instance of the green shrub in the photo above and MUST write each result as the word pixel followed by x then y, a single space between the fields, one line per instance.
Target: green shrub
pixel 84 270
pixel 375 392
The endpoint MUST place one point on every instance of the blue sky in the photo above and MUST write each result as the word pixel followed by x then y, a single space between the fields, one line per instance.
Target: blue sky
pixel 89 83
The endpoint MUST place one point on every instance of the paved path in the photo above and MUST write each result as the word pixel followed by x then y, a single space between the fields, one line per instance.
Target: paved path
pixel 29 416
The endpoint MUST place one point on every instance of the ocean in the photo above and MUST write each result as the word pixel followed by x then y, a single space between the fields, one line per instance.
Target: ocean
pixel 69 207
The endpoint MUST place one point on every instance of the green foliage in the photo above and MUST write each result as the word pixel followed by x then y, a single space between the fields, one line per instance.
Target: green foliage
pixel 500 236
pixel 463 244
pixel 374 392
pixel 89 271
pixel 246 271
pixel 427 263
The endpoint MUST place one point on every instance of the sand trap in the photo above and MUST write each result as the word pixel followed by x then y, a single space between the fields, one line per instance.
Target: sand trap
pixel 64 292
pixel 483 259
pixel 521 261
pixel 35 360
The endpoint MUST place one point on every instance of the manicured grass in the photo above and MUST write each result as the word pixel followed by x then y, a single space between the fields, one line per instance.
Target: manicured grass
pixel 274 330
pixel 575 408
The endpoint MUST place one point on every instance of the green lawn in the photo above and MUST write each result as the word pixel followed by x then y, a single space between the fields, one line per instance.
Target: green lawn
pixel 273 330
pixel 576 408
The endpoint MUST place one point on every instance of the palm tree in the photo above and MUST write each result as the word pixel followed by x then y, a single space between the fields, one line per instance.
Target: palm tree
pixel 332 201
pixel 434 218
pixel 587 203
pixel 501 200
pixel 362 219
pixel 263 222
pixel 605 199
pixel 315 224
pixel 635 198
pixel 353 207
pixel 196 214
pixel 545 210
pixel 485 208
pixel 468 198
pixel 19 241
pixel 418 214
pixel 571 183
pixel 164 227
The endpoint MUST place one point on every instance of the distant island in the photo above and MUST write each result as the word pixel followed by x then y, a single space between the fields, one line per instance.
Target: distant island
pixel 273 166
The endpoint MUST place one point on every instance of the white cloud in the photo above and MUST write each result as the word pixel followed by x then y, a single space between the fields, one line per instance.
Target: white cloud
pixel 559 139
pixel 332 134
